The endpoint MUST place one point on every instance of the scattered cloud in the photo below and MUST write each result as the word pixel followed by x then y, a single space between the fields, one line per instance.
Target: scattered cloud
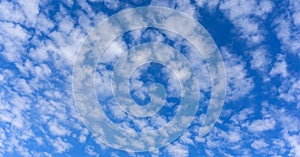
pixel 245 14
pixel 262 125
pixel 280 67
pixel 177 149
pixel 286 26
pixel 239 84
pixel 259 144
pixel 39 42
pixel 290 90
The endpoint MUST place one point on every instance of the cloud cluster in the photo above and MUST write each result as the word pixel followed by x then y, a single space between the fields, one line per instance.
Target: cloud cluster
pixel 39 41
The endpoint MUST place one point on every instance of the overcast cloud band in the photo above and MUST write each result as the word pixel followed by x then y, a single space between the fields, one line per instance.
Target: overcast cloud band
pixel 103 35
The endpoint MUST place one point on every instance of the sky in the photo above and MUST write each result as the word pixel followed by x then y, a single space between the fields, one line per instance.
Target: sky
pixel 95 78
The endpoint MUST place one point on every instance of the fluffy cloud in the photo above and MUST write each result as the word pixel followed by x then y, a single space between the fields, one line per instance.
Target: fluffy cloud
pixel 262 125
pixel 294 143
pixel 244 15
pixel 238 83
pixel 178 149
pixel 258 144
pixel 38 45
pixel 280 67
pixel 287 27
pixel 290 91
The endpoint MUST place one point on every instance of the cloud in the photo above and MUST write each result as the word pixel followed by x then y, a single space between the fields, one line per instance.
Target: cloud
pixel 294 143
pixel 262 125
pixel 244 14
pixel 90 150
pixel 238 83
pixel 13 31
pixel 11 12
pixel 60 145
pixel 286 26
pixel 177 149
pixel 261 62
pixel 290 131
pixel 258 144
pixel 37 85
pixel 13 37
pixel 183 6
pixel 186 138
pixel 57 129
pixel 211 4
pixel 242 116
pixel 38 44
pixel 280 67
pixel 234 136
pixel 30 10
pixel 290 91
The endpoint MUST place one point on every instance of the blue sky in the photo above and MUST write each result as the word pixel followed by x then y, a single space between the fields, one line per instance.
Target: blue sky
pixel 259 41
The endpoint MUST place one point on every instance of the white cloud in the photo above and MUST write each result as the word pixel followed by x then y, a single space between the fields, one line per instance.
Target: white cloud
pixel 22 86
pixel 11 12
pixel 66 24
pixel 44 24
pixel 90 150
pixel 114 51
pixel 13 31
pixel 238 83
pixel 42 72
pixel 243 15
pixel 112 4
pixel 35 103
pixel 296 18
pixel 57 129
pixel 209 152
pixel 280 67
pixel 83 135
pixel 242 116
pixel 294 142
pixel 177 149
pixel 21 96
pixel 187 138
pixel 242 8
pixel 1 77
pixel 211 4
pixel 13 37
pixel 289 122
pixel 290 91
pixel 259 59
pixel 290 128
pixel 184 6
pixel 117 112
pixel 152 34
pixel 258 144
pixel 234 136
pixel 30 11
pixel 60 145
pixel 262 125
pixel 286 26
